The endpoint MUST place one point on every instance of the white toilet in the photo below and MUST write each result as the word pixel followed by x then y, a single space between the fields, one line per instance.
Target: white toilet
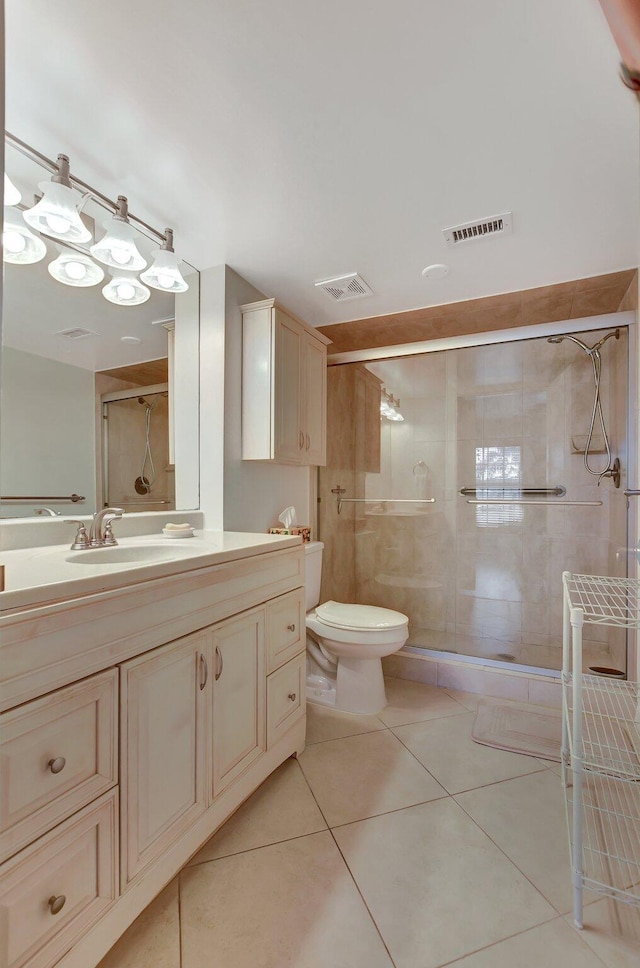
pixel 345 646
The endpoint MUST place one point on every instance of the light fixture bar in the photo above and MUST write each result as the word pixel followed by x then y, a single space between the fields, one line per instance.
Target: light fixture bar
pixel 34 155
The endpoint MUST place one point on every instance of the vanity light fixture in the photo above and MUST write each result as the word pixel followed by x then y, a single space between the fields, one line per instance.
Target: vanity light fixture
pixel 75 269
pixel 57 213
pixel 118 248
pixel 164 273
pixel 125 289
pixel 20 246
pixel 11 194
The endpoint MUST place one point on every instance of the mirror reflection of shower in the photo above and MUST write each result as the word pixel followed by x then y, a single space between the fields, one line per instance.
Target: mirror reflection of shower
pixel 137 473
pixel 612 469
pixel 147 478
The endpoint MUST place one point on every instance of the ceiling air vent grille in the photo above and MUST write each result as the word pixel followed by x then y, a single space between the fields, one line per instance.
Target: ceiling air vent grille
pixel 481 229
pixel 75 333
pixel 342 288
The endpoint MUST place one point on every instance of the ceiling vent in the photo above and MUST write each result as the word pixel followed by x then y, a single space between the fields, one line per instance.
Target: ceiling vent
pixel 342 288
pixel 75 333
pixel 482 229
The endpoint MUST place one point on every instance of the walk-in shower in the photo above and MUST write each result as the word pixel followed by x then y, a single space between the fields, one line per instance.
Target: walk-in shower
pixel 517 444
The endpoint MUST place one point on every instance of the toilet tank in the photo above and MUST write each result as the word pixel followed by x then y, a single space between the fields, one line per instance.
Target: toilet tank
pixel 312 573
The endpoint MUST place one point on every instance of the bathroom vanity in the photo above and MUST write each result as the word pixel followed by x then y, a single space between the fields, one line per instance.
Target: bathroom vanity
pixel 143 696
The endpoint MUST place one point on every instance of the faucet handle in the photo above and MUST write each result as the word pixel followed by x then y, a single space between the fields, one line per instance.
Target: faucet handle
pixel 109 537
pixel 81 540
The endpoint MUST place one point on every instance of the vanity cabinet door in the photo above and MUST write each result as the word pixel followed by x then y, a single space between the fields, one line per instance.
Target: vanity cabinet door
pixel 163 748
pixel 238 697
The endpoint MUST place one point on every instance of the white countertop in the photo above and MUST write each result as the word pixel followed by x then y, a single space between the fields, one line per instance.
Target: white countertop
pixel 35 576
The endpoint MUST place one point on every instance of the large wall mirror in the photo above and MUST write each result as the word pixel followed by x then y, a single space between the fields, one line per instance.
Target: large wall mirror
pixel 99 399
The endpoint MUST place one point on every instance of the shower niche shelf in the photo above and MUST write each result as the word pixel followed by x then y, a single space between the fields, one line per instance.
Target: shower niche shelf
pixel 600 747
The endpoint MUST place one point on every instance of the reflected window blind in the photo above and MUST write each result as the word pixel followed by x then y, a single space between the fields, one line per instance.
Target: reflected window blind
pixel 496 466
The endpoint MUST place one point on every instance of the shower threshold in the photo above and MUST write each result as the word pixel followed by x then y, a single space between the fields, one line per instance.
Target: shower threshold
pixel 479 660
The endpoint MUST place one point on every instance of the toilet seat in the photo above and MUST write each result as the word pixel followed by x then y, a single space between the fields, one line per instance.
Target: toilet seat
pixel 369 618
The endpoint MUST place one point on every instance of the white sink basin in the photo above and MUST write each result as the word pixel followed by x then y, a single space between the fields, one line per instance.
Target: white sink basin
pixel 128 554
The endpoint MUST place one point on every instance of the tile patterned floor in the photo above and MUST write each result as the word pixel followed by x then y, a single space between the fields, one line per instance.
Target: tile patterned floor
pixel 394 842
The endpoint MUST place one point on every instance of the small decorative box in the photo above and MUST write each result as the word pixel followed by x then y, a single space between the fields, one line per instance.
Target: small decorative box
pixel 305 532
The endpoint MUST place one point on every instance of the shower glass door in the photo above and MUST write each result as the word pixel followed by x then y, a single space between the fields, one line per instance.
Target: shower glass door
pixel 136 472
pixel 478 579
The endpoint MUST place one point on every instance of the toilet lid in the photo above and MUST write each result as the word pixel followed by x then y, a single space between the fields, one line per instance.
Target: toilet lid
pixel 343 616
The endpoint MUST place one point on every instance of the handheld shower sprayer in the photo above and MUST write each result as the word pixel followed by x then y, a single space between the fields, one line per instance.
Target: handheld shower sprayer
pixel 612 469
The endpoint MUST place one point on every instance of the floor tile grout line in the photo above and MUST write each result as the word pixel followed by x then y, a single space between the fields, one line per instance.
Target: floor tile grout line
pixel 249 850
pixel 362 898
pixel 510 859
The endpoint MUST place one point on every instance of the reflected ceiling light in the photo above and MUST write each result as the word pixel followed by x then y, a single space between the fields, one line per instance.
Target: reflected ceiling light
pixel 11 194
pixel 164 273
pixel 20 246
pixel 125 289
pixel 75 269
pixel 57 212
pixel 118 248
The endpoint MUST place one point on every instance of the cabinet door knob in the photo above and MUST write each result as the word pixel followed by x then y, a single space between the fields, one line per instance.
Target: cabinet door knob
pixel 291 628
pixel 56 904
pixel 301 444
pixel 57 765
pixel 308 442
pixel 292 696
pixel 204 671
pixel 220 663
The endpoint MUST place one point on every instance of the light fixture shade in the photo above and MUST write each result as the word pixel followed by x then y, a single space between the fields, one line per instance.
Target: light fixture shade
pixel 75 269
pixel 20 246
pixel 125 289
pixel 164 273
pixel 11 194
pixel 118 248
pixel 56 214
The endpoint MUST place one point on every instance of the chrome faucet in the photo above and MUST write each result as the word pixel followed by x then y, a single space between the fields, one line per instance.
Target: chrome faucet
pixel 101 533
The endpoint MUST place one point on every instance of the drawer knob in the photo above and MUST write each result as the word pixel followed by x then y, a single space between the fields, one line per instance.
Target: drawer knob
pixel 292 696
pixel 56 904
pixel 291 628
pixel 57 765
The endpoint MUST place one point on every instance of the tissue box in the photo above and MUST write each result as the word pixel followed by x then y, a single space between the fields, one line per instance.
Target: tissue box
pixel 296 529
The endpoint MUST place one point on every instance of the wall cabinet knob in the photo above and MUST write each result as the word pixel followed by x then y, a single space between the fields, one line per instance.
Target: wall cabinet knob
pixel 292 696
pixel 56 904
pixel 57 765
pixel 291 628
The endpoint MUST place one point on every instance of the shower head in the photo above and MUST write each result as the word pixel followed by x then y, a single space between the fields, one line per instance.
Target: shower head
pixel 589 350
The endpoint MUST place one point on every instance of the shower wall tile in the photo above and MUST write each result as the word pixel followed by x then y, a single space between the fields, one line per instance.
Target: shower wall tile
pixel 503 418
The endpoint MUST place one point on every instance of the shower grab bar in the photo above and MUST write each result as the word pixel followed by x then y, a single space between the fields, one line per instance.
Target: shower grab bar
pixel 146 502
pixel 541 504
pixel 631 492
pixel 557 491
pixel 71 498
pixel 382 500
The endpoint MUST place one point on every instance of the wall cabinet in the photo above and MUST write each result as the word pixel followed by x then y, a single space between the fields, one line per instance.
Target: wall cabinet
pixel 203 720
pixel 284 386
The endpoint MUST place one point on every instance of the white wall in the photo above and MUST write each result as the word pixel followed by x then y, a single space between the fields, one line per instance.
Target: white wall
pixel 212 349
pixel 254 492
pixel 47 431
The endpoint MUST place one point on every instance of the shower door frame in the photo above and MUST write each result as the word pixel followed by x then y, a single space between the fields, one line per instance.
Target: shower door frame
pixel 518 334
pixel 112 397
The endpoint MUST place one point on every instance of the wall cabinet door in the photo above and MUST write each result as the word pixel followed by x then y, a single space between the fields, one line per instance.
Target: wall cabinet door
pixel 238 697
pixel 315 401
pixel 163 748
pixel 289 345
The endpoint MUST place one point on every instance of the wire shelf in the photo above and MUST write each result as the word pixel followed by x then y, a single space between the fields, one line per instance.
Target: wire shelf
pixel 610 725
pixel 604 600
pixel 610 837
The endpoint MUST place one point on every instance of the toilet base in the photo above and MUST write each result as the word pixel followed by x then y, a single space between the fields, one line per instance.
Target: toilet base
pixel 357 688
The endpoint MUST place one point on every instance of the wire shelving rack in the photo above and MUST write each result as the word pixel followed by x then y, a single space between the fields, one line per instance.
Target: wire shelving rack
pixel 600 747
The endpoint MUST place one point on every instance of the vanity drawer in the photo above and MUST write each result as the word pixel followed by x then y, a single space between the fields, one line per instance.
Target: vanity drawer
pixel 286 698
pixel 285 628
pixel 58 753
pixel 72 872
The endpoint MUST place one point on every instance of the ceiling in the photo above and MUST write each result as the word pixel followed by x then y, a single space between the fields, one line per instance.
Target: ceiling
pixel 297 141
